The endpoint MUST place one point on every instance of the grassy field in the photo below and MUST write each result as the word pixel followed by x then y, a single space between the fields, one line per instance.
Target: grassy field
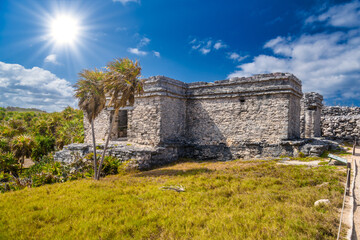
pixel 222 200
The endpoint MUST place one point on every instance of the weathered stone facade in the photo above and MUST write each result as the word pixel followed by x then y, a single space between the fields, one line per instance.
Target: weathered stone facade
pixel 254 117
pixel 341 123
pixel 330 122
pixel 234 118
pixel 310 120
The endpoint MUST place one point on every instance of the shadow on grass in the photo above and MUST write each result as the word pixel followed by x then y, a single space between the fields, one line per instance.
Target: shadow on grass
pixel 173 172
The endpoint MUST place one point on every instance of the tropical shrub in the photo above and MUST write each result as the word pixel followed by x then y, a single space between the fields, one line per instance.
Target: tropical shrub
pixel 110 166
pixel 43 146
pixel 4 145
pixel 8 163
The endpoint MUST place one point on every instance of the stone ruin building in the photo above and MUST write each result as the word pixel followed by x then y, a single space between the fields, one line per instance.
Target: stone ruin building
pixel 265 115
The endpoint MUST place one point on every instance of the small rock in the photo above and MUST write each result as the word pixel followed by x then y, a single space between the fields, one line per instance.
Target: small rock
pixel 322 202
pixel 325 184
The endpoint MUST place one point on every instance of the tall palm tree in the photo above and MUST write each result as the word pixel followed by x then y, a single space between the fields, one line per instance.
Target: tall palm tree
pixel 121 84
pixel 21 147
pixel 90 92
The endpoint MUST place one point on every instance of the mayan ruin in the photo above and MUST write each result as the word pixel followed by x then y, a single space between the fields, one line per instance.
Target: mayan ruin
pixel 265 115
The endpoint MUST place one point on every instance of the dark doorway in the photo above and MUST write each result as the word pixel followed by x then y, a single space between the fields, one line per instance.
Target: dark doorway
pixel 122 123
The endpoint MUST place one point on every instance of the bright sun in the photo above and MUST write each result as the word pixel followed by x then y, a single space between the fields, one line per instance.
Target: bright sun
pixel 64 29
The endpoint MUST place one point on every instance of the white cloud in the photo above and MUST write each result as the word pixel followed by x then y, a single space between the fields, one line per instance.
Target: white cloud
pixel 137 51
pixel 126 1
pixel 156 54
pixel 205 46
pixel 143 42
pixel 196 46
pixel 205 50
pixel 52 58
pixel 35 87
pixel 328 63
pixel 218 45
pixel 236 57
pixel 342 15
pixel 193 41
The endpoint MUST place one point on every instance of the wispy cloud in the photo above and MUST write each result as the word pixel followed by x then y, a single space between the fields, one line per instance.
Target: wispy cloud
pixel 342 15
pixel 205 46
pixel 137 51
pixel 143 42
pixel 52 58
pixel 156 54
pixel 35 87
pixel 276 20
pixel 127 1
pixel 120 29
pixel 205 50
pixel 218 45
pixel 236 57
pixel 326 62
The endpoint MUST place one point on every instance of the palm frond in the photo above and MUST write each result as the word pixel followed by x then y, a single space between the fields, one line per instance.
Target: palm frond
pixel 89 90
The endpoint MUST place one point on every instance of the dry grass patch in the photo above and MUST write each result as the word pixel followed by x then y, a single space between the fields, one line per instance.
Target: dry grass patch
pixel 222 200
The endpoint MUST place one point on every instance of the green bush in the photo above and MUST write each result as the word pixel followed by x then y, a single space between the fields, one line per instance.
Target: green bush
pixel 110 165
pixel 4 144
pixel 8 163
pixel 6 183
pixel 43 146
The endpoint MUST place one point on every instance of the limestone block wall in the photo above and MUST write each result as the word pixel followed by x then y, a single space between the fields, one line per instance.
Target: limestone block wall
pixel 144 121
pixel 159 115
pixel 262 108
pixel 101 126
pixel 234 120
pixel 341 123
pixel 294 117
pixel 173 116
pixel 213 119
pixel 310 120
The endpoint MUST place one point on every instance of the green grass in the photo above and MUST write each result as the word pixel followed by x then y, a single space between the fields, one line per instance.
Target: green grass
pixel 222 200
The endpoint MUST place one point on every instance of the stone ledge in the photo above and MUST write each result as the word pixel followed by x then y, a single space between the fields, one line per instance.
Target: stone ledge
pixel 144 157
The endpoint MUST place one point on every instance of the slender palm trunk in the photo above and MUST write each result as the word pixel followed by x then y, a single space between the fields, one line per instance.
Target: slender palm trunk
pixel 94 146
pixel 107 142
pixel 22 163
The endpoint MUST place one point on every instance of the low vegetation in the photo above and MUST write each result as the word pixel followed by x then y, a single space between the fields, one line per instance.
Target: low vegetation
pixel 222 200
pixel 34 135
pixel 50 131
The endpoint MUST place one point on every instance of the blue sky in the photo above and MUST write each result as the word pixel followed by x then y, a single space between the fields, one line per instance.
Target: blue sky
pixel 188 40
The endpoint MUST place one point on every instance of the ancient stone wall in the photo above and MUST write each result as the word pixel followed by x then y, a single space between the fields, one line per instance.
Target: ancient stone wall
pixel 159 114
pixel 234 120
pixel 294 117
pixel 144 121
pixel 341 123
pixel 260 108
pixel 214 120
pixel 101 126
pixel 310 120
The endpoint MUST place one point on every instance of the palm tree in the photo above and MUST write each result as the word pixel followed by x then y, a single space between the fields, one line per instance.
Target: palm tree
pixel 21 147
pixel 121 84
pixel 90 92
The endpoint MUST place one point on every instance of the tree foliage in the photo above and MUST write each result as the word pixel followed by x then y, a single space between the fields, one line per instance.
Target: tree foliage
pixel 90 92
pixel 121 84
pixel 89 89
pixel 48 132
